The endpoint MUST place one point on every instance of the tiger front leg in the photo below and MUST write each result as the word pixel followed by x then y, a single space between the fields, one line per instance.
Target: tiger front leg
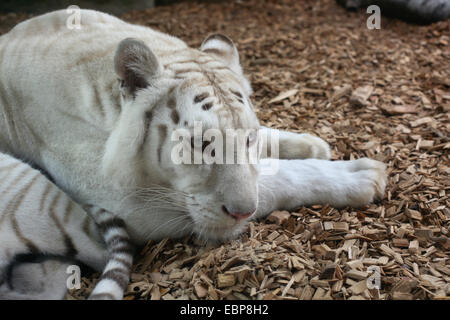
pixel 340 184
pixel 291 145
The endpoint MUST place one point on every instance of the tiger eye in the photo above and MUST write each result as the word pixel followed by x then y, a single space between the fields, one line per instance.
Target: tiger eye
pixel 207 106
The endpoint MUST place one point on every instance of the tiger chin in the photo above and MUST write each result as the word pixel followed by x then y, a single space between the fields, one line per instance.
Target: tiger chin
pixel 102 126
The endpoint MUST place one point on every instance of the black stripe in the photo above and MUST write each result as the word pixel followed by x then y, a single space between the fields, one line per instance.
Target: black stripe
pixel 207 106
pixel 12 210
pixel 71 251
pixel 120 276
pixel 48 187
pixel 148 117
pixel 111 223
pixel 162 137
pixel 28 243
pixel 181 71
pixel 175 116
pixel 68 211
pixel 172 103
pixel 236 93
pixel 86 225
pixel 201 97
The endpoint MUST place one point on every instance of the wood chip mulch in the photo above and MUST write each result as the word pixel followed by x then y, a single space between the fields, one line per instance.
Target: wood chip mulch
pixel 383 94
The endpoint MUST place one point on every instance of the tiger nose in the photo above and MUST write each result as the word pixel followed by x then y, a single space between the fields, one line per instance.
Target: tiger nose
pixel 237 214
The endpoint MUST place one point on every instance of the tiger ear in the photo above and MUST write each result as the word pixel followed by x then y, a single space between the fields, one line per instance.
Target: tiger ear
pixel 135 64
pixel 223 48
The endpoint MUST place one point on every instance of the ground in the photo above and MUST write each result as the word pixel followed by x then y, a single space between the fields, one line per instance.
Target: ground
pixel 382 94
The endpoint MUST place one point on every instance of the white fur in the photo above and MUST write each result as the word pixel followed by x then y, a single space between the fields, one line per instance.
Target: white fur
pixel 91 142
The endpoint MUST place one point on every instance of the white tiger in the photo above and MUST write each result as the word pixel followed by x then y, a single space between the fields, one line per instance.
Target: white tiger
pixel 108 142
pixel 42 232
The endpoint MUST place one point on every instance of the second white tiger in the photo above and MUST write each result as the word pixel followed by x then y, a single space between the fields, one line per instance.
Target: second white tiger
pixel 42 232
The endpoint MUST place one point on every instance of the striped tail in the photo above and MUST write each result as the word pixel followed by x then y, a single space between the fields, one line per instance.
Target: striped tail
pixel 416 11
pixel 116 275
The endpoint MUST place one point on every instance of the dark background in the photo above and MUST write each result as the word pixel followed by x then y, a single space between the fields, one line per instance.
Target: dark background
pixel 110 6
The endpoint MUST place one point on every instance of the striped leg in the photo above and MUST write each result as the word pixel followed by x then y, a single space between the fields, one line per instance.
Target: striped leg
pixel 115 277
pixel 41 226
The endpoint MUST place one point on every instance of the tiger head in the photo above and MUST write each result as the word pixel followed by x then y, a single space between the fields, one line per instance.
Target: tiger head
pixel 178 106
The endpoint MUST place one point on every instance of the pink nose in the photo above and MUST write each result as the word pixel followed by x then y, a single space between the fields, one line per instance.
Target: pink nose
pixel 237 215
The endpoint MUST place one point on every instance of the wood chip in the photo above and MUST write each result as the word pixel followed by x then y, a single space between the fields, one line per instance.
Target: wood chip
pixel 284 95
pixel 360 96
pixel 225 280
pixel 413 246
pixel 402 243
pixel 396 110
pixel 339 92
pixel 391 253
pixel 279 217
pixel 356 274
pixel 200 290
pixel 358 287
pixel 402 296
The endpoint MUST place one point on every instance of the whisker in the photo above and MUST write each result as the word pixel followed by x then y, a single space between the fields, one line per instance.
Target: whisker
pixel 165 223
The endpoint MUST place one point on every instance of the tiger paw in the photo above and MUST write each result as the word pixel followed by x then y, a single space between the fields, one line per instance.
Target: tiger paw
pixel 304 146
pixel 370 180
